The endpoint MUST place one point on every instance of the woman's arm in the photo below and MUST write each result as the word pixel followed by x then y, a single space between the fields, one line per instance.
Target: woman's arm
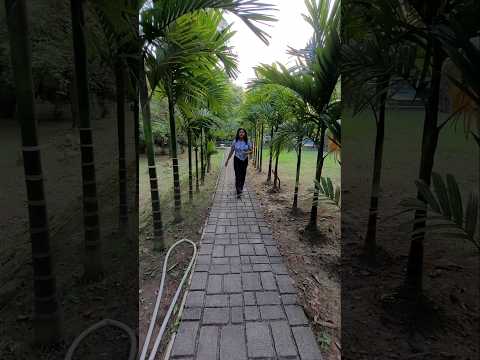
pixel 232 149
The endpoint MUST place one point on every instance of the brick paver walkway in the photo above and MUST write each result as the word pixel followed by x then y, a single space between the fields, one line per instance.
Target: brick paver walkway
pixel 241 303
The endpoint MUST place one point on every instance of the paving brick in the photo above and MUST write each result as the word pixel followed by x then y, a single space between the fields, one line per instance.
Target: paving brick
pixel 285 284
pixel 220 261
pixel 247 268
pixel 208 343
pixel 237 315
pixel 268 281
pixel 283 339
pixel 195 299
pixel 243 228
pixel 192 314
pixel 249 298
pixel 203 259
pixel 252 313
pixel 259 341
pixel 245 259
pixel 264 230
pixel 201 268
pixel 219 269
pixel 236 300
pixel 279 269
pixel 232 283
pixel 184 344
pixel 199 281
pixel 205 249
pixel 218 251
pixel 223 241
pixel 307 346
pixel 232 250
pixel 272 251
pixel 231 229
pixel 296 315
pixel 235 269
pixel 268 298
pixel 259 259
pixel 235 260
pixel 220 229
pixel 289 299
pixel 232 346
pixel 260 249
pixel 247 249
pixel 216 316
pixel 275 260
pixel 262 267
pixel 251 281
pixel 210 228
pixel 214 284
pixel 216 301
pixel 272 312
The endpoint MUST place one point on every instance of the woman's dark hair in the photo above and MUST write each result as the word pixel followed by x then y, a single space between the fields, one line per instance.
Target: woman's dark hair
pixel 237 138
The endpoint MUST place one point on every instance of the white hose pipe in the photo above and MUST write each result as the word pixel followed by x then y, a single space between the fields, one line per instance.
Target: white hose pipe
pixel 101 324
pixel 154 351
pixel 128 330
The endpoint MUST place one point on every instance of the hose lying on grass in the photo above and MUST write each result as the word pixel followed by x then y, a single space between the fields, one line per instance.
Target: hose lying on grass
pixel 128 330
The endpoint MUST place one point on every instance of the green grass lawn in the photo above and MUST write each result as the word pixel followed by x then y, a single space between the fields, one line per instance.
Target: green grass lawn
pixel 287 167
pixel 191 211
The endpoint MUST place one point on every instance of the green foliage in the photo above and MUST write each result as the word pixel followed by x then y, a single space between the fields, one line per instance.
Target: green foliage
pixel 451 219
pixel 330 191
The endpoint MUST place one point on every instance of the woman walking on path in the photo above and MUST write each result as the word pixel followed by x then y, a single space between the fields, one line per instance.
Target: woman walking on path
pixel 242 148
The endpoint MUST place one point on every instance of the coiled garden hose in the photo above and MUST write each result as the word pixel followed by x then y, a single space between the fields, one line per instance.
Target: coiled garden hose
pixel 128 330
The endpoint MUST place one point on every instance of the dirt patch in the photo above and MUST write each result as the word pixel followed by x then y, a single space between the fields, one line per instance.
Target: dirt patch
pixel 313 262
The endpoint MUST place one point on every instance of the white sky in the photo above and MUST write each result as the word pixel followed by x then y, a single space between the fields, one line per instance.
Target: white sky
pixel 290 30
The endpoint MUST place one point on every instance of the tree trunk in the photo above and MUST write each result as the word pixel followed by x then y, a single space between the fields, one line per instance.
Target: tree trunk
pixel 197 185
pixel 269 177
pixel 370 238
pixel 276 180
pixel 158 240
pixel 312 224
pixel 190 172
pixel 74 102
pixel 297 176
pixel 136 117
pixel 46 310
pixel 414 279
pixel 202 157
pixel 261 149
pixel 122 163
pixel 173 143
pixel 254 145
pixel 93 254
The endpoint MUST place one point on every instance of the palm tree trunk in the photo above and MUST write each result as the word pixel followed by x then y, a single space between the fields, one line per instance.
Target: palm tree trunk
pixel 190 172
pixel 122 163
pixel 202 157
pixel 269 177
pixel 261 149
pixel 93 256
pixel 257 132
pixel 254 145
pixel 136 116
pixel 158 240
pixel 46 311
pixel 312 224
pixel 276 180
pixel 74 102
pixel 414 279
pixel 297 176
pixel 370 238
pixel 173 142
pixel 197 185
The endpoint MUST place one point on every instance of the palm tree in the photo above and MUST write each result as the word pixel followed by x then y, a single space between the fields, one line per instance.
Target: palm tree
pixel 46 310
pixel 119 48
pixel 158 239
pixel 93 257
pixel 315 78
pixel 371 60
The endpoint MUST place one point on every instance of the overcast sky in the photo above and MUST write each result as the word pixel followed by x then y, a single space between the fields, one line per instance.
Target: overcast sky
pixel 289 30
